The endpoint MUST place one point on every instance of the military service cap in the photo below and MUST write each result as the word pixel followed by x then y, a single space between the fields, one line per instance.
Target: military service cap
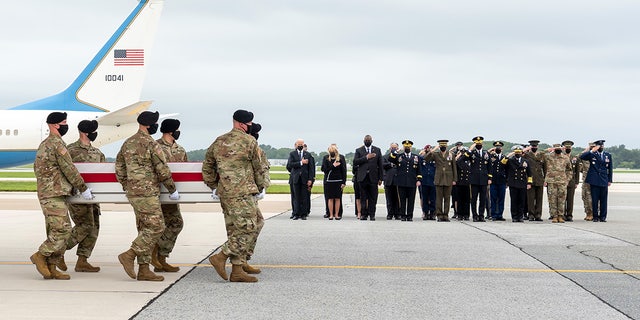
pixel 459 143
pixel 498 144
pixel 592 144
pixel 599 142
pixel 534 143
pixel 517 148
pixel 56 117
pixel 148 118
pixel 169 125
pixel 567 143
pixel 88 126
pixel 444 142
pixel 557 146
pixel 478 139
pixel 405 142
pixel 243 116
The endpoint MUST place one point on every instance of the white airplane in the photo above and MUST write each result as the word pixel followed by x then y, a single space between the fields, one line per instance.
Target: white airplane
pixel 108 90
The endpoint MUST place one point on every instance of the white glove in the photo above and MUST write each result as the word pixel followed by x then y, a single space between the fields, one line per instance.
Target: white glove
pixel 87 195
pixel 214 195
pixel 261 195
pixel 174 196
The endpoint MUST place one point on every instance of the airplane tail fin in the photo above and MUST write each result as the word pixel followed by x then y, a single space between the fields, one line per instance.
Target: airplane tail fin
pixel 114 77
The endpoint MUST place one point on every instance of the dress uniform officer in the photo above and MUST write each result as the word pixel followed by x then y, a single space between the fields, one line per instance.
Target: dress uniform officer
pixel 454 192
pixel 479 178
pixel 519 180
pixel 586 189
pixel 427 185
pixel 535 193
pixel 56 176
pixel 599 178
pixel 463 184
pixel 390 188
pixel 445 177
pixel 558 171
pixel 408 178
pixel 86 217
pixel 573 182
pixel 498 187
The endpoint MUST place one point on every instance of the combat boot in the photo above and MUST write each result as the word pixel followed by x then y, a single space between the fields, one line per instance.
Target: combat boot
pixel 589 217
pixel 560 218
pixel 82 265
pixel 238 275
pixel 218 262
pixel 555 219
pixel 55 274
pixel 127 259
pixel 154 259
pixel 165 266
pixel 249 269
pixel 61 264
pixel 144 274
pixel 41 264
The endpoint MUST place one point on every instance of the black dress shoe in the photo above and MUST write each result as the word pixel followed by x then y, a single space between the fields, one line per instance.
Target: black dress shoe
pixel 425 218
pixel 295 218
pixel 501 219
pixel 482 220
pixel 326 215
pixel 569 219
pixel 373 219
pixel 409 219
pixel 363 218
pixel 596 220
pixel 397 217
pixel 538 219
pixel 603 220
pixel 389 217
pixel 404 219
pixel 338 218
pixel 465 218
pixel 304 218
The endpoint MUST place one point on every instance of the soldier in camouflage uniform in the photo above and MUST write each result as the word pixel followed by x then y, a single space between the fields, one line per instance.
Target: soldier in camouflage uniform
pixel 583 167
pixel 140 168
pixel 56 176
pixel 573 182
pixel 255 129
pixel 558 172
pixel 234 170
pixel 86 217
pixel 535 193
pixel 173 222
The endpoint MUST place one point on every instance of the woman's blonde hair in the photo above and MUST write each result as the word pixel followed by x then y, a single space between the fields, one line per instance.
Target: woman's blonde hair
pixel 333 147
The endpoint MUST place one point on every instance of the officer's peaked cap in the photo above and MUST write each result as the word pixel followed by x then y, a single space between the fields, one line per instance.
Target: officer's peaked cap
pixel 88 126
pixel 148 118
pixel 478 139
pixel 567 143
pixel 56 117
pixel 169 125
pixel 498 144
pixel 534 143
pixel 407 142
pixel 599 142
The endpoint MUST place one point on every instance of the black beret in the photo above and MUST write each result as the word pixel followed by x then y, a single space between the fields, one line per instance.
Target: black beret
pixel 169 125
pixel 148 118
pixel 88 126
pixel 243 116
pixel 56 117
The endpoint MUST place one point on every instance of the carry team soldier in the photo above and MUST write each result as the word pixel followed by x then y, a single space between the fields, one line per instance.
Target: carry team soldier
pixel 56 176
pixel 86 217
pixel 140 168
pixel 498 173
pixel 173 222
pixel 479 178
pixel 519 180
pixel 583 166
pixel 445 177
pixel 558 172
pixel 535 193
pixel 573 182
pixel 408 178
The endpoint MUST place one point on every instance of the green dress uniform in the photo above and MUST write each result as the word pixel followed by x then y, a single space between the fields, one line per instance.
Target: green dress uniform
pixel 86 217
pixel 571 187
pixel 446 173
pixel 535 194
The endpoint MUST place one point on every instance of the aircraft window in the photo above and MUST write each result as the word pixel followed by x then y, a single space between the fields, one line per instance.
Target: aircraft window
pixel 8 132
pixel 15 132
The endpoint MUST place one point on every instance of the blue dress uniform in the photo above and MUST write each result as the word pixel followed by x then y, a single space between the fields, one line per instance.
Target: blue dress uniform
pixel 519 179
pixel 407 179
pixel 479 178
pixel 390 187
pixel 498 176
pixel 463 186
pixel 599 176
pixel 428 188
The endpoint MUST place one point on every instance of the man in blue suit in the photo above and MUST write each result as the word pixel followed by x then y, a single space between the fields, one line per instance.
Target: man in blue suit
pixel 599 177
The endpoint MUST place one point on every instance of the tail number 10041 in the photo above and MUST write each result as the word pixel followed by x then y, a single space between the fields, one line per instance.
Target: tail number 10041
pixel 113 77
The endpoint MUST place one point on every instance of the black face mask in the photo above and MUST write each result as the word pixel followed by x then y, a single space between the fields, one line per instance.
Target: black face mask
pixel 558 151
pixel 63 129
pixel 407 150
pixel 300 148
pixel 367 143
pixel 333 154
pixel 175 134
pixel 600 149
pixel 248 128
pixel 534 149
pixel 498 150
pixel 567 151
pixel 153 128
pixel 443 149
pixel 518 155
pixel 92 136
pixel 478 146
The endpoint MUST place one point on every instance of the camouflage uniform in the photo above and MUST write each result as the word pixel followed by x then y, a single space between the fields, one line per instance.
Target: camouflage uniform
pixel 586 189
pixel 234 167
pixel 173 221
pixel 56 176
pixel 86 217
pixel 558 171
pixel 140 168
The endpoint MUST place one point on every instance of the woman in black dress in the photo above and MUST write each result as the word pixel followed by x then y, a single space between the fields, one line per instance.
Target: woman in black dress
pixel 334 167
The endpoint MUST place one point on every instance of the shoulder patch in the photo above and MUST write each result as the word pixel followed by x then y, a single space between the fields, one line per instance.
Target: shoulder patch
pixel 62 150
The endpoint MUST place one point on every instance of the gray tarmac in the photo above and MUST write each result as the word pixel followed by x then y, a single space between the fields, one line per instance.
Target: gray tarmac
pixel 350 269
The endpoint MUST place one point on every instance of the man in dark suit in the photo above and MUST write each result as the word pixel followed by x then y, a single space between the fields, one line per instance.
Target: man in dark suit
pixel 302 176
pixel 479 178
pixel 599 178
pixel 368 159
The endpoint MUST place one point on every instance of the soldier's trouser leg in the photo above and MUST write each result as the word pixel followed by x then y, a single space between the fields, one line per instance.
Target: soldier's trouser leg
pixel 58 226
pixel 534 199
pixel 556 194
pixel 443 198
pixel 518 202
pixel 391 196
pixel 173 224
pixel 241 221
pixel 478 192
pixel 86 218
pixel 150 224
pixel 255 234
pixel 599 202
pixel 586 199
pixel 568 204
pixel 464 201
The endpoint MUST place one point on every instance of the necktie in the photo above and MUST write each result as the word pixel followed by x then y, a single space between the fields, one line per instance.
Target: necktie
pixel 300 155
pixel 368 150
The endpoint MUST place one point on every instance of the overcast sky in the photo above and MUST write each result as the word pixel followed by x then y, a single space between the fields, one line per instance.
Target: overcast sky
pixel 331 71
